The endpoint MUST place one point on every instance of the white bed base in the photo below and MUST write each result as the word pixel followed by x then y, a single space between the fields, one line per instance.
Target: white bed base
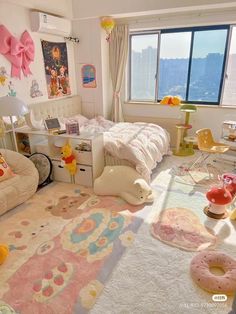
pixel 114 161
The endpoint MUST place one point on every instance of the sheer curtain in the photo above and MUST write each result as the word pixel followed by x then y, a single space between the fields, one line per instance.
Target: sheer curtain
pixel 118 51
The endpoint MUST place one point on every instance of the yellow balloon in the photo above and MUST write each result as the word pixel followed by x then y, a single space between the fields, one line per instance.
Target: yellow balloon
pixel 108 24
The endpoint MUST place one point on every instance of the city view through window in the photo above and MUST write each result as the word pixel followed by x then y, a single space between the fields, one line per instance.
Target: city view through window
pixel 185 63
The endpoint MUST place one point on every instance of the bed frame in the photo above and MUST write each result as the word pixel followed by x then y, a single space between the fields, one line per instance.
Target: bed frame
pixel 63 107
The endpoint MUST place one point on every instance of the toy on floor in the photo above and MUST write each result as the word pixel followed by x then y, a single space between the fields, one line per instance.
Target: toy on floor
pixel 171 100
pixel 219 198
pixel 205 279
pixel 184 147
pixel 69 161
pixel 229 182
pixel 125 182
pixel 4 252
pixel 232 215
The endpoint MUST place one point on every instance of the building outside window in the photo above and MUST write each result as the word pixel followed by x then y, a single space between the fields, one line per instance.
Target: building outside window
pixel 198 64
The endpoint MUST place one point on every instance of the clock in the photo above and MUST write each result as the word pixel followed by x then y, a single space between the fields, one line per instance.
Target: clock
pixel 44 166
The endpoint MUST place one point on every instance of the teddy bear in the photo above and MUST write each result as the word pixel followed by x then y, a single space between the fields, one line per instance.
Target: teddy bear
pixel 68 160
pixel 125 182
pixel 68 206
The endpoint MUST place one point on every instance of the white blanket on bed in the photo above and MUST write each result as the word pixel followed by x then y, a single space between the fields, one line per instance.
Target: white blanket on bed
pixel 143 144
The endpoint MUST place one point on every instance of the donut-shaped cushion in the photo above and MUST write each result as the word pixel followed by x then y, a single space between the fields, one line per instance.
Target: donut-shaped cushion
pixel 205 279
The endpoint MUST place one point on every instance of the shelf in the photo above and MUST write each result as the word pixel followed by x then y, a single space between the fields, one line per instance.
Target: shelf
pixel 232 144
pixel 83 136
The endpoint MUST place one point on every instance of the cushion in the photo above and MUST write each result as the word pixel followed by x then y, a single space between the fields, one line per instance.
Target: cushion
pixel 5 170
pixel 125 182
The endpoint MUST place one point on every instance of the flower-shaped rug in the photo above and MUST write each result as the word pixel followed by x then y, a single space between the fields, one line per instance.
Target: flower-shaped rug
pixel 182 228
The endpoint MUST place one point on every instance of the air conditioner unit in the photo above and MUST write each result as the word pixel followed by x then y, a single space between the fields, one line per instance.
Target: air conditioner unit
pixel 46 23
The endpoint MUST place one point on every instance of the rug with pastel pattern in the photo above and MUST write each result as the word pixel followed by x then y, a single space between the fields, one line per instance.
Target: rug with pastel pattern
pixel 64 243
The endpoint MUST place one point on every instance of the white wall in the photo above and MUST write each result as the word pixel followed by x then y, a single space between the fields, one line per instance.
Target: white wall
pixel 93 49
pixel 17 23
pixel 57 7
pixel 205 117
pixel 96 8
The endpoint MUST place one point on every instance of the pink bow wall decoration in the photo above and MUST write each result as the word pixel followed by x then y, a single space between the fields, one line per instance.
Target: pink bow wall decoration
pixel 19 52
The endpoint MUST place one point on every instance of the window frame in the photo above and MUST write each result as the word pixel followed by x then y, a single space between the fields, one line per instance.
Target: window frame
pixel 193 29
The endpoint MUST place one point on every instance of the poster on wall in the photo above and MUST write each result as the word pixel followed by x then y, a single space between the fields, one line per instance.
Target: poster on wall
pixel 56 69
pixel 3 76
pixel 89 76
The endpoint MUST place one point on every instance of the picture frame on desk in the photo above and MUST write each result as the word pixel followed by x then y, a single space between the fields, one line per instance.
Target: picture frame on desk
pixel 52 124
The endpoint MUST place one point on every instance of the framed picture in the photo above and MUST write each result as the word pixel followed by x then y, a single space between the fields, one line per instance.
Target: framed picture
pixel 52 124
pixel 89 76
pixel 56 68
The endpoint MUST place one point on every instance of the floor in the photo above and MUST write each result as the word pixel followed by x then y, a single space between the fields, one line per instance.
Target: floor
pixel 154 278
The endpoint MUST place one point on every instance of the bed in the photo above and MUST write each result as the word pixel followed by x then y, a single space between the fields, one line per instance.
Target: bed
pixel 139 145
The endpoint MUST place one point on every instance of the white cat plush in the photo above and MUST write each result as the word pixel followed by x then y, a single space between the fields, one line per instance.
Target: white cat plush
pixel 125 182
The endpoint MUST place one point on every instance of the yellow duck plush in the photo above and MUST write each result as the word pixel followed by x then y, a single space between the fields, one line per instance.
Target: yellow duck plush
pixel 171 100
pixel 4 252
pixel 69 159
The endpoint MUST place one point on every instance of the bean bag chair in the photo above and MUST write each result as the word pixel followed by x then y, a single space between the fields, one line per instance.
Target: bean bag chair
pixel 22 185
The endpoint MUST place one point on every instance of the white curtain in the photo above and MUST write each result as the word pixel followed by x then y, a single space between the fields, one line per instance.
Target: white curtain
pixel 118 51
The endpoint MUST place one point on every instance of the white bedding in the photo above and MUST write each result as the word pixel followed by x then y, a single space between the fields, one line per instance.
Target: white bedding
pixel 143 144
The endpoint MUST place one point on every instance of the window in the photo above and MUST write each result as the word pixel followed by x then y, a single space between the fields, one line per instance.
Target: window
pixel 187 62
pixel 143 66
pixel 229 96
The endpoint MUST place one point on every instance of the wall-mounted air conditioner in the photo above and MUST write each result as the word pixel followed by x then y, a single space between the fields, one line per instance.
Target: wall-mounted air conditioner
pixel 46 23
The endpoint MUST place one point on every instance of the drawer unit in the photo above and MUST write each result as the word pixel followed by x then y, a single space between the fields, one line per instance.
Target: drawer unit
pixel 84 175
pixel 83 157
pixel 87 149
pixel 59 173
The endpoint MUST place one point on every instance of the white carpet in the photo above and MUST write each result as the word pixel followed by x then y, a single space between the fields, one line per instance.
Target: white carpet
pixel 153 277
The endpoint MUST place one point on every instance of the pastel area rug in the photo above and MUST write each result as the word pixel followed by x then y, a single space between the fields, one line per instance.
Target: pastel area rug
pixel 198 175
pixel 64 243
pixel 182 228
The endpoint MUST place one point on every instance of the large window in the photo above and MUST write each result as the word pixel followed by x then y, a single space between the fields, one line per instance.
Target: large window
pixel 229 96
pixel 144 66
pixel 187 62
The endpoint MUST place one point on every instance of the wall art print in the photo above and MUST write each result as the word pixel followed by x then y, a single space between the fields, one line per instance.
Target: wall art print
pixel 12 91
pixel 89 76
pixel 3 76
pixel 34 89
pixel 56 68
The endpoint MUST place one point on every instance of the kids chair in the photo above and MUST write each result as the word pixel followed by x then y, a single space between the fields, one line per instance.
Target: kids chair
pixel 207 146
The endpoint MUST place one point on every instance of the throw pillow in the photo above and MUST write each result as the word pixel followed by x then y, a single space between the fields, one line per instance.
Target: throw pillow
pixel 5 170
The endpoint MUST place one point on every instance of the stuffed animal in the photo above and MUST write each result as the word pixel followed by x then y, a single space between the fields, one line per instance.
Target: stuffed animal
pixel 68 159
pixel 171 100
pixel 125 182
pixel 4 252
pixel 232 215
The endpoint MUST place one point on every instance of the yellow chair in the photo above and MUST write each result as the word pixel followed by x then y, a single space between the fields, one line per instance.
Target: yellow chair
pixel 207 146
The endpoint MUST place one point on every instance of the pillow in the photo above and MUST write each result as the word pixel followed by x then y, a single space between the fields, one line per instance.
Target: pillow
pixel 81 119
pixel 5 170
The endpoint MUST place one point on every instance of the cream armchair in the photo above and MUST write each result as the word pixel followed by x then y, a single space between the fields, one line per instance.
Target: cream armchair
pixel 22 186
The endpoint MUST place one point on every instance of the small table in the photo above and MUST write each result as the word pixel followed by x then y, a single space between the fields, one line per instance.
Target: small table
pixel 190 140
pixel 181 128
